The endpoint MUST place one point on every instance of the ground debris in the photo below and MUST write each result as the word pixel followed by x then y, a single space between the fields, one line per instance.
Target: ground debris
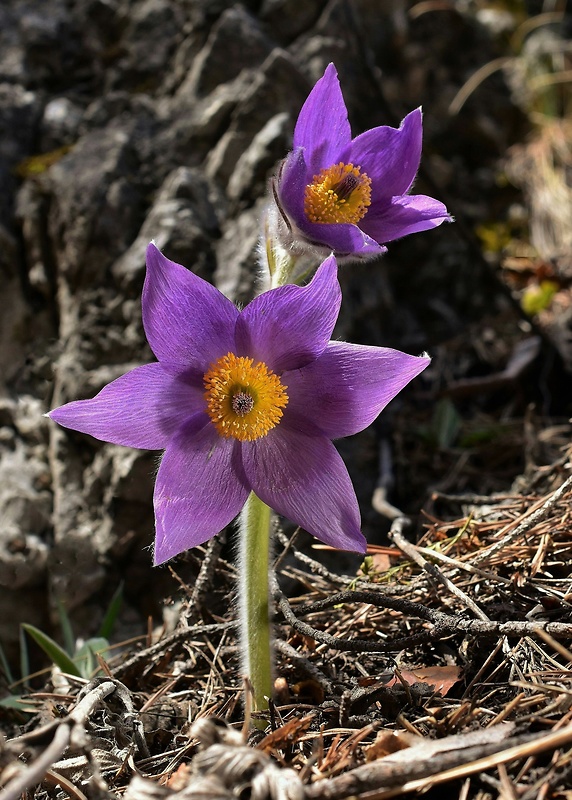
pixel 388 681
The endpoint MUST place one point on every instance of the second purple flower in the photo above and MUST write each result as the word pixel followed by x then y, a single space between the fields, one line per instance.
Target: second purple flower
pixel 351 195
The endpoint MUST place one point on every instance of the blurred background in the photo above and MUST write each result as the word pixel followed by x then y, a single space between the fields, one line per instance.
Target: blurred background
pixel 123 121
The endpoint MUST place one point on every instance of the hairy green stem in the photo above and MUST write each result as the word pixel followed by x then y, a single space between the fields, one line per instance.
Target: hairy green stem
pixel 253 574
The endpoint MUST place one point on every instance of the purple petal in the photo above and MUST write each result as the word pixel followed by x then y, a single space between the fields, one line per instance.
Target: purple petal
pixel 200 488
pixel 390 156
pixel 304 478
pixel 187 320
pixel 405 215
pixel 322 127
pixel 140 409
pixel 343 239
pixel 291 325
pixel 344 390
pixel 294 178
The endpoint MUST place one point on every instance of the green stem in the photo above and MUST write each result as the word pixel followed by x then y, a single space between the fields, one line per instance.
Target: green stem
pixel 254 564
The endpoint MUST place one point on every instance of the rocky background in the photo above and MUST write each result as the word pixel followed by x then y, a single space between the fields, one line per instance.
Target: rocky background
pixel 126 120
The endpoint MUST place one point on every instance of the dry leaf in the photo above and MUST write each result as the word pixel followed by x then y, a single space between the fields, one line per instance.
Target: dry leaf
pixel 387 742
pixel 440 678
pixel 179 778
pixel 285 735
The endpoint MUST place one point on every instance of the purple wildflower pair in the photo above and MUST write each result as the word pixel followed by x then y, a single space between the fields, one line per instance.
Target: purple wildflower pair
pixel 349 195
pixel 245 401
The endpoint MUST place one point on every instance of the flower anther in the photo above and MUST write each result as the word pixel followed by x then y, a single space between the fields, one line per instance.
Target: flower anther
pixel 340 193
pixel 244 399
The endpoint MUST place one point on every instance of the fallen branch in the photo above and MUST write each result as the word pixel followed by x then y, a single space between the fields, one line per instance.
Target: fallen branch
pixel 433 762
pixel 443 625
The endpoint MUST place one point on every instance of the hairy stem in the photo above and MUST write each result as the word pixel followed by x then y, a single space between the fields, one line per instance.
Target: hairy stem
pixel 254 563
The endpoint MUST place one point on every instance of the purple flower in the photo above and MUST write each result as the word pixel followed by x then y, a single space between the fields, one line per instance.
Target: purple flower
pixel 245 401
pixel 351 195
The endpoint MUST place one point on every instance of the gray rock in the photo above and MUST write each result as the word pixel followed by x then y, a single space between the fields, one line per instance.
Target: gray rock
pixel 289 18
pixel 23 327
pixel 20 112
pixel 147 55
pixel 25 511
pixel 60 123
pixel 182 222
pixel 250 174
pixel 11 51
pixel 53 43
pixel 236 42
pixel 95 208
pixel 278 87
pixel 237 270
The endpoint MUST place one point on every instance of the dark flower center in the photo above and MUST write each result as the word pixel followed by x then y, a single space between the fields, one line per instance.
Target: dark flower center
pixel 242 403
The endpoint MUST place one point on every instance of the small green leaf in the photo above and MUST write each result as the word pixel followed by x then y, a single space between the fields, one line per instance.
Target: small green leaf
pixel 446 423
pixel 537 297
pixel 85 659
pixel 18 703
pixel 52 649
pixel 65 624
pixel 36 165
pixel 24 660
pixel 5 665
pixel 111 614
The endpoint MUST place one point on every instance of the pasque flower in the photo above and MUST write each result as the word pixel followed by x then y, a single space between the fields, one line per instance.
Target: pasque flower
pixel 245 401
pixel 349 195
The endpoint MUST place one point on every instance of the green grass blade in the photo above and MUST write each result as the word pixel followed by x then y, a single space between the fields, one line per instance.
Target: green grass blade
pixel 24 660
pixel 67 632
pixel 5 666
pixel 85 659
pixel 16 702
pixel 111 614
pixel 52 649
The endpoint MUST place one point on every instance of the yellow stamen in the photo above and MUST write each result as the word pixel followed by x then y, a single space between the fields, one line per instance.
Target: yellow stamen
pixel 244 399
pixel 340 193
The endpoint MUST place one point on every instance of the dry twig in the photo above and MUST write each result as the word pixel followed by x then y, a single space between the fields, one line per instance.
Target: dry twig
pixel 413 553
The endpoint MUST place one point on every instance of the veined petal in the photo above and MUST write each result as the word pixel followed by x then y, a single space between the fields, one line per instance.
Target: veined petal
pixel 322 127
pixel 405 215
pixel 304 478
pixel 187 320
pixel 140 409
pixel 291 325
pixel 390 156
pixel 344 390
pixel 200 488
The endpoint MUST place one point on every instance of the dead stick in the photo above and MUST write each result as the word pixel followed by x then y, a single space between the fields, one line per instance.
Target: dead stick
pixel 443 624
pixel 531 748
pixel 417 767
